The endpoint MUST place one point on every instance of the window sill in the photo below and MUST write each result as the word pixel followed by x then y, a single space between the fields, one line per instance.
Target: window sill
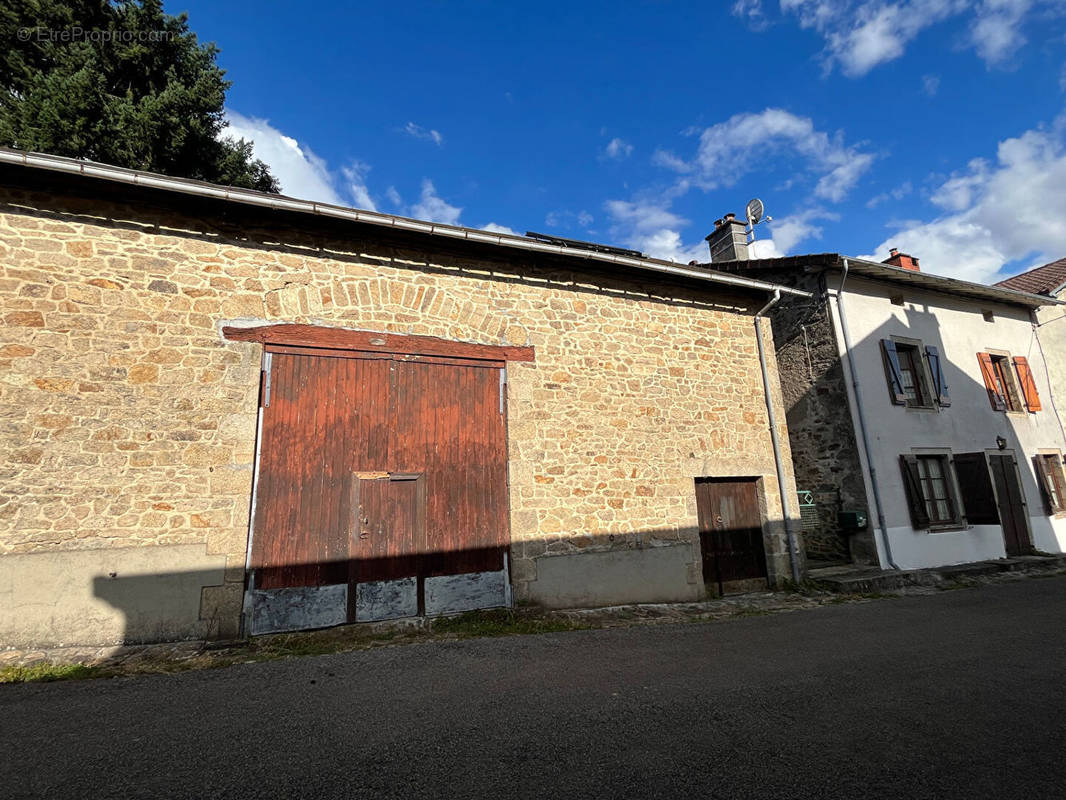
pixel 921 408
pixel 948 527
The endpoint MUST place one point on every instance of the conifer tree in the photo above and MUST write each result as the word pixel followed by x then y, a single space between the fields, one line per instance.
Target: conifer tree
pixel 122 83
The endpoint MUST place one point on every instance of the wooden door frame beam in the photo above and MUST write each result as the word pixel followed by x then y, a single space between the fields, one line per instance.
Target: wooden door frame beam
pixel 320 336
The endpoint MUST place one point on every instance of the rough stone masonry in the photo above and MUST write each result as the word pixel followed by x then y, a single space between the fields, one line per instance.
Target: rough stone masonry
pixel 128 425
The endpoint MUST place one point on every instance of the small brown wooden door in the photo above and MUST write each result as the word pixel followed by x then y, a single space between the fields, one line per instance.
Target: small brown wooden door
pixel 730 533
pixel 391 525
pixel 1011 500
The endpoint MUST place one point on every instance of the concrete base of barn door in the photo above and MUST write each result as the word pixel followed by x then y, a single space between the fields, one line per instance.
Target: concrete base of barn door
pixel 310 607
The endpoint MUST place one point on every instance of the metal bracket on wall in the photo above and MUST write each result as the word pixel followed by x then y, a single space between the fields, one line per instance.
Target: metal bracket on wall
pixel 267 362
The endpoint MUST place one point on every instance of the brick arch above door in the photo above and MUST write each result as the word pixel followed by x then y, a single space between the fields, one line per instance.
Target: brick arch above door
pixel 471 312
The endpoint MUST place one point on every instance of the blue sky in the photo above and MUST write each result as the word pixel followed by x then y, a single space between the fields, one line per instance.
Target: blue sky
pixel 935 126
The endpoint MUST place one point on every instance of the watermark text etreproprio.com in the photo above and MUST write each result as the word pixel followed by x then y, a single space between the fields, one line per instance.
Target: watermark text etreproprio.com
pixel 76 34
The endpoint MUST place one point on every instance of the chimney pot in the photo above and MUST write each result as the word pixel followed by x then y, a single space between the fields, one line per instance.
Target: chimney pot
pixel 729 240
pixel 901 260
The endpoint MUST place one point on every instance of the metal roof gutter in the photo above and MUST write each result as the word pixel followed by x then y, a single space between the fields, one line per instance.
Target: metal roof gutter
pixel 92 169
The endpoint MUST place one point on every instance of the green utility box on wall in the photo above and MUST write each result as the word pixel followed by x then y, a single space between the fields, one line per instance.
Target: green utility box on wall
pixel 852 520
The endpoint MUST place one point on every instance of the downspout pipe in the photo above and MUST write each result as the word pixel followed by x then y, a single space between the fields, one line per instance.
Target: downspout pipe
pixel 782 487
pixel 878 506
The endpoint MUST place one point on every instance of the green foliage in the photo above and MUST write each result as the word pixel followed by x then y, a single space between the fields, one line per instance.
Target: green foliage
pixel 48 672
pixel 122 83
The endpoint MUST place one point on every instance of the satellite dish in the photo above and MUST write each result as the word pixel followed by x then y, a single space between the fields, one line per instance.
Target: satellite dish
pixel 755 211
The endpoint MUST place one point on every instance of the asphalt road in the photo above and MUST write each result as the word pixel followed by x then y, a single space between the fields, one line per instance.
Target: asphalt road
pixel 960 694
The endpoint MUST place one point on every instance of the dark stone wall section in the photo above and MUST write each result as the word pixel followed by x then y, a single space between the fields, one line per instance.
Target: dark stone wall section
pixel 823 440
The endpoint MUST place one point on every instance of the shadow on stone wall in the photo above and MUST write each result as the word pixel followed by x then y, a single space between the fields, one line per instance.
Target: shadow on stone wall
pixel 168 606
pixel 648 566
pixel 825 444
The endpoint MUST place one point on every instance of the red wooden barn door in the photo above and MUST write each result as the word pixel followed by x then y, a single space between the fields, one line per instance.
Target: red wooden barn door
pixel 375 470
pixel 449 424
pixel 323 419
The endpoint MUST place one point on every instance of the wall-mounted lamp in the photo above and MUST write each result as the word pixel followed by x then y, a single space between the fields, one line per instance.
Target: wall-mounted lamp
pixel 1001 443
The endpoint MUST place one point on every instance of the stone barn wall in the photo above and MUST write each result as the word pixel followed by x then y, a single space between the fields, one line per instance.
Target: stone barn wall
pixel 129 424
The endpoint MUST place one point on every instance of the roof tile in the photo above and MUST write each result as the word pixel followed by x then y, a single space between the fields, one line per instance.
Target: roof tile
pixel 1041 280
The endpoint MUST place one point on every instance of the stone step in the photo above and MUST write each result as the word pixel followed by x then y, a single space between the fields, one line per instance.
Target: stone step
pixel 869 580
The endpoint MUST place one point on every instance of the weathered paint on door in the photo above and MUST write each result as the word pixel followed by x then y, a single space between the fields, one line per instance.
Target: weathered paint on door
pixel 731 533
pixel 1012 506
pixel 323 420
pixel 377 467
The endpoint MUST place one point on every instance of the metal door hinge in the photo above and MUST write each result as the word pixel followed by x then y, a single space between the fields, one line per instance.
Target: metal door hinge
pixel 267 363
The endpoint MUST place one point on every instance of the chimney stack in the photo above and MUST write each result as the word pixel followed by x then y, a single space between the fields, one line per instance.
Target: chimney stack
pixel 901 260
pixel 729 241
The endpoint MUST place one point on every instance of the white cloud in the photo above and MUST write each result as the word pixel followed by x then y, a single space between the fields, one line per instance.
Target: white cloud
pixel 563 218
pixel 959 192
pixel 765 248
pixel 426 134
pixel 726 152
pixel 618 149
pixel 896 193
pixel 995 213
pixel 732 148
pixel 664 158
pixel 355 178
pixel 930 84
pixel 788 232
pixel 299 171
pixel 751 12
pixel 303 174
pixel 649 226
pixel 996 29
pixel 860 35
pixel 839 182
pixel 434 209
pixel 492 227
pixel 643 216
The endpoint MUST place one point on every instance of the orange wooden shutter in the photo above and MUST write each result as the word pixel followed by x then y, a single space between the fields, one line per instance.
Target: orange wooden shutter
pixel 998 401
pixel 1025 377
